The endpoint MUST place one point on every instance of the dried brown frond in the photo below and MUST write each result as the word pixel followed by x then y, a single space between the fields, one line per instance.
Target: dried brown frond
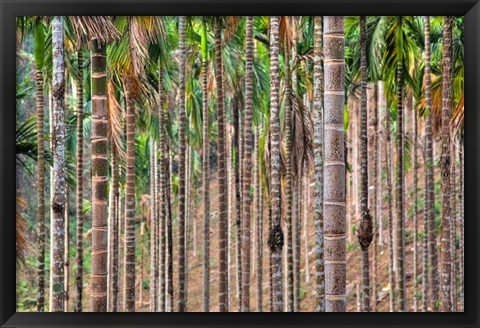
pixel 94 27
pixel 231 25
pixel 115 121
pixel 458 116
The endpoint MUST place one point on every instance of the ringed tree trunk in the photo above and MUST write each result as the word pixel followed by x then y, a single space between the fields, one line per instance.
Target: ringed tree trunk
pixel 446 256
pixel 98 298
pixel 129 291
pixel 222 192
pixel 205 173
pixel 415 212
pixel 79 191
pixel 181 301
pixel 39 56
pixel 400 181
pixel 334 177
pixel 365 230
pixel 318 144
pixel 288 179
pixel 429 178
pixel 57 251
pixel 259 219
pixel 247 165
pixel 275 240
pixel 162 191
pixel 388 156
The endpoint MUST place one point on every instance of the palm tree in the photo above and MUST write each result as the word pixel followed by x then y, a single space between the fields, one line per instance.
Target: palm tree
pixel 181 302
pixel 365 230
pixel 57 251
pixel 319 153
pixel 99 178
pixel 400 174
pixel 429 184
pixel 79 191
pixel 247 164
pixel 288 175
pixel 275 240
pixel 162 189
pixel 259 219
pixel 446 256
pixel 222 192
pixel 39 44
pixel 205 172
pixel 334 178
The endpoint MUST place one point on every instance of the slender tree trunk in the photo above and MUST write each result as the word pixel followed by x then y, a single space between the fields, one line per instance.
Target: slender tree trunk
pixel 40 194
pixel 318 144
pixel 429 166
pixel 379 147
pixel 57 225
pixel 79 191
pixel 306 211
pixel 247 165
pixel 374 198
pixel 446 256
pixel 259 221
pixel 334 177
pixel 288 179
pixel 400 184
pixel 461 227
pixel 388 156
pixel 113 301
pixel 181 301
pixel 415 212
pixel 67 248
pixel 365 230
pixel 167 200
pixel 153 287
pixel 222 192
pixel 453 228
pixel 129 292
pixel 275 240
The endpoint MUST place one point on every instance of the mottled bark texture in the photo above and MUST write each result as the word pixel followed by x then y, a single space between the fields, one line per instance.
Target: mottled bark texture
pixel 79 192
pixel 247 166
pixel 222 186
pixel 429 178
pixel 275 239
pixel 57 225
pixel 40 194
pixel 162 141
pixel 205 173
pixel 318 144
pixel 129 286
pixel 288 178
pixel 446 256
pixel 334 175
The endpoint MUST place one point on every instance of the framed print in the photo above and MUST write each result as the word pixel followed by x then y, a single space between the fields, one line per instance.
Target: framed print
pixel 231 160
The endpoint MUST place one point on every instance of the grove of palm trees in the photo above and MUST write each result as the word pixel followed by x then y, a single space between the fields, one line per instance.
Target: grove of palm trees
pixel 240 164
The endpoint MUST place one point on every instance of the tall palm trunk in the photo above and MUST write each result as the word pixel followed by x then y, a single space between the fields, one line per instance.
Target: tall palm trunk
pixel 40 194
pixel 162 191
pixel 374 199
pixel 429 179
pixel 222 192
pixel 238 202
pixel 247 164
pixel 153 223
pixel 98 298
pixel 205 174
pixel 113 286
pixel 57 225
pixel 453 227
pixel 66 263
pixel 288 179
pixel 365 230
pixel 400 180
pixel 79 191
pixel 129 291
pixel 259 220
pixel 169 213
pixel 318 144
pixel 388 156
pixel 379 147
pixel 415 212
pixel 334 178
pixel 275 240
pixel 446 256
pixel 181 301
pixel 461 227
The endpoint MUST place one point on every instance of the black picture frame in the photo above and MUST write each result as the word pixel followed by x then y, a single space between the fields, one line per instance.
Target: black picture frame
pixel 10 9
